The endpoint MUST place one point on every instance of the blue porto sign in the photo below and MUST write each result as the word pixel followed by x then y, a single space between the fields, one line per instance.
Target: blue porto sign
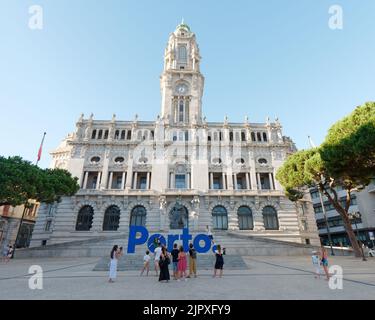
pixel 139 235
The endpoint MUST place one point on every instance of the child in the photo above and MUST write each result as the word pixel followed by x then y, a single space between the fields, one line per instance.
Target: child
pixel 316 263
pixel 182 264
pixel 146 263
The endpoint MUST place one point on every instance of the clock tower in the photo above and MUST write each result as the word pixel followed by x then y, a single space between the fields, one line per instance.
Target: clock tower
pixel 182 83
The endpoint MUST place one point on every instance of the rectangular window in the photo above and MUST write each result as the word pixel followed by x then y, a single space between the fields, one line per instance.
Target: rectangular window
pixel 142 183
pixel 48 225
pixel 180 181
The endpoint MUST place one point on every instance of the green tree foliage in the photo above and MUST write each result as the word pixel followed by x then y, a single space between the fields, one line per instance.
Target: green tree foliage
pixel 20 181
pixel 346 158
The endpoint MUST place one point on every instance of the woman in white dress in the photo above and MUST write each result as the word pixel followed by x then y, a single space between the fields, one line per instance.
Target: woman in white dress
pixel 113 264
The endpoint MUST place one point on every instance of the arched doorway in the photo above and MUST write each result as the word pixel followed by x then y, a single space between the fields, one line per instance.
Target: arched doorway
pixel 85 218
pixel 179 217
pixel 111 218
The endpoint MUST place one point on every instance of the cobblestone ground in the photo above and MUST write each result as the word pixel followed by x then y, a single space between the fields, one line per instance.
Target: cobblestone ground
pixel 266 278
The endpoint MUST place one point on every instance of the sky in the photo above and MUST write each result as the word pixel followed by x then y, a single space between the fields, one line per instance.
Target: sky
pixel 259 58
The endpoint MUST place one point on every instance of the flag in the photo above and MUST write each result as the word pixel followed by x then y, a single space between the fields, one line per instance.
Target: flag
pixel 41 148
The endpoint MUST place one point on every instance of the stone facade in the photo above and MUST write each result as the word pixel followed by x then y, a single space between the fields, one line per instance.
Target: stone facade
pixel 177 171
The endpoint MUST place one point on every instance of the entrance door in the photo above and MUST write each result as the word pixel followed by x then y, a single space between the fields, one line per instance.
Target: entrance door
pixel 179 217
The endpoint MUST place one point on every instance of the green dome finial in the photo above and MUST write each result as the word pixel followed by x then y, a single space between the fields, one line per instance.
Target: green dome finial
pixel 183 25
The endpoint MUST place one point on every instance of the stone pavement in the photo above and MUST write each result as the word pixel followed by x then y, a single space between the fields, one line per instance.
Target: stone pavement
pixel 265 278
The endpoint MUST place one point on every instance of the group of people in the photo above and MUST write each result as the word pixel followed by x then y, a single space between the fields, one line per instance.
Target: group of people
pixel 178 258
pixel 7 253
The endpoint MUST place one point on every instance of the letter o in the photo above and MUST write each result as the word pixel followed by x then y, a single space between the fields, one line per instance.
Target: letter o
pixel 207 243
pixel 150 242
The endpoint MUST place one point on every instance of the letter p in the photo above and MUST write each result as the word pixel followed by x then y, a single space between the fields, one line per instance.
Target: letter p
pixel 133 240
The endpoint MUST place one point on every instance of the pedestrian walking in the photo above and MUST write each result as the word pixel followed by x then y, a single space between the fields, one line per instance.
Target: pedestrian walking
pixel 324 262
pixel 182 264
pixel 192 261
pixel 174 255
pixel 219 263
pixel 146 263
pixel 316 263
pixel 164 265
pixel 113 264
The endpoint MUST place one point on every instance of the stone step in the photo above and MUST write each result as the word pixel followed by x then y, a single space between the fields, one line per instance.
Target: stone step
pixel 204 262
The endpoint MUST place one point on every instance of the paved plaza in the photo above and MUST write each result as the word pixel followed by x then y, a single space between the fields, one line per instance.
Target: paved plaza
pixel 265 278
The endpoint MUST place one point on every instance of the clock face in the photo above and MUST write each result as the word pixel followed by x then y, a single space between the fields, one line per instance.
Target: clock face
pixel 181 88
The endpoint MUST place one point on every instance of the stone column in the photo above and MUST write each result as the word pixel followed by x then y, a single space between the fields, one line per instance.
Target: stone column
pixel 84 186
pixel 247 181
pixel 173 184
pixel 110 180
pixel 235 182
pixel 148 181
pixel 271 181
pixel 135 180
pixel 98 181
pixel 188 181
pixel 123 181
pixel 224 181
pixel 259 186
pixel 211 180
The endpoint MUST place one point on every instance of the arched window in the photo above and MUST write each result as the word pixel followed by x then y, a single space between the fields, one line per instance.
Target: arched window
pixel 265 136
pixel 106 132
pixel 111 218
pixel 100 134
pixel 245 218
pixel 243 136
pixel 93 136
pixel 84 219
pixel 220 218
pixel 129 135
pixel 270 219
pixel 123 132
pixel 182 54
pixel 138 216
pixel 259 136
pixel 253 138
pixel 117 134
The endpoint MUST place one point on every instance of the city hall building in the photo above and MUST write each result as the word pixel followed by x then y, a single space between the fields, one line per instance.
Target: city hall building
pixel 177 171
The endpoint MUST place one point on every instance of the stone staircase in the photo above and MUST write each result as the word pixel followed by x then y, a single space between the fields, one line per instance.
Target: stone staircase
pixel 236 244
pixel 204 262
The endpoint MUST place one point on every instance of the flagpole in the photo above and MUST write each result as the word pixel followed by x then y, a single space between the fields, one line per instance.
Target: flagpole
pixel 40 149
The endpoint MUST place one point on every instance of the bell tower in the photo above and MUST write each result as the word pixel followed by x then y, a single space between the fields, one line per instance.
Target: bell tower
pixel 181 82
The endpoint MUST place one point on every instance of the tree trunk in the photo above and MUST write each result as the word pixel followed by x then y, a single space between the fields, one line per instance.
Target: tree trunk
pixel 345 218
pixel 349 230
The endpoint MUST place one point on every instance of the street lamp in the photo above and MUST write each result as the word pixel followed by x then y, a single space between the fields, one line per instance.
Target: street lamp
pixel 354 216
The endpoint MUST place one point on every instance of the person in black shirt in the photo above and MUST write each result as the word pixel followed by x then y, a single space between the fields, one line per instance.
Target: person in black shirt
pixel 192 261
pixel 174 254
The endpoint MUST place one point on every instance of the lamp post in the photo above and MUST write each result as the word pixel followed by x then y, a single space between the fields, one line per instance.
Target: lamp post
pixel 354 216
